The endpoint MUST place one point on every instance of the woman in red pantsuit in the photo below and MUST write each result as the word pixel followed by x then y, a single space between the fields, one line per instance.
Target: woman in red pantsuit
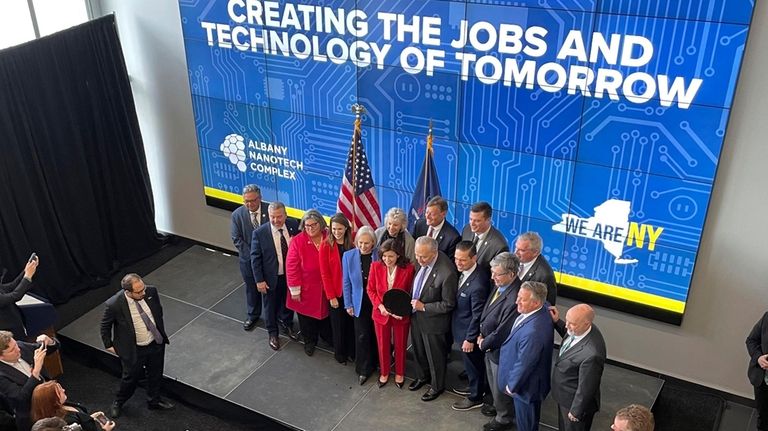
pixel 302 272
pixel 392 271
pixel 331 250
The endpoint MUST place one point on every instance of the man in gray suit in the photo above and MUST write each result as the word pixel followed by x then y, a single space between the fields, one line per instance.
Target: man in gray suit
pixel 434 297
pixel 487 239
pixel 578 368
pixel 534 266
pixel 245 219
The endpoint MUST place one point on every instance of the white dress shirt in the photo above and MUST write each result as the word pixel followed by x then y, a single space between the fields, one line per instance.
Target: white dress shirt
pixel 143 336
pixel 278 249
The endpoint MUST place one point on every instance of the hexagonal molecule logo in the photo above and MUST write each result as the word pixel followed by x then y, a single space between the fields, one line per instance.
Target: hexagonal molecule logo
pixel 233 148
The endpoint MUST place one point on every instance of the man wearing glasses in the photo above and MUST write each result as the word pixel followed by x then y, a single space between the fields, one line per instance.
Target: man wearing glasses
pixel 495 324
pixel 534 266
pixel 132 328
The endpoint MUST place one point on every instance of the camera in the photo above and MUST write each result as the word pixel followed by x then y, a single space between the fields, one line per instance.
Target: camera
pixel 72 427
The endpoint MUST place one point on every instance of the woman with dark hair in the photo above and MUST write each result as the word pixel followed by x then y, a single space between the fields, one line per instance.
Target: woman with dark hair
pixel 49 399
pixel 331 251
pixel 305 285
pixel 392 271
pixel 356 266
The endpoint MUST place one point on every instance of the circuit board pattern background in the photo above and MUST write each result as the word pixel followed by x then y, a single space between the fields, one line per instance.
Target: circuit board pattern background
pixel 534 155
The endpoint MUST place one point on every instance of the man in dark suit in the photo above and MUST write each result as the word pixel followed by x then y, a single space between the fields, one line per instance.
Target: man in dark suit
pixel 132 328
pixel 534 266
pixel 526 356
pixel 495 323
pixel 474 284
pixel 269 248
pixel 486 238
pixel 245 219
pixel 11 318
pixel 21 370
pixel 434 297
pixel 757 372
pixel 433 224
pixel 578 368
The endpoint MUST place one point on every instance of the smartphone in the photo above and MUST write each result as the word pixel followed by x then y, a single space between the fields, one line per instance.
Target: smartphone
pixel 102 418
pixel 43 346
pixel 33 257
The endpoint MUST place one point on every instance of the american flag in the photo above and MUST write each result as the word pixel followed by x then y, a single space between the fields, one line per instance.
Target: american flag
pixel 357 197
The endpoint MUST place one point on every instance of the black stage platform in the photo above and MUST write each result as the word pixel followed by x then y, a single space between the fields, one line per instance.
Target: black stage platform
pixel 203 299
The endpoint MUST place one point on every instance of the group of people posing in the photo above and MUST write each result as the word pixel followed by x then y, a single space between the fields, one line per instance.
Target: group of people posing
pixel 466 288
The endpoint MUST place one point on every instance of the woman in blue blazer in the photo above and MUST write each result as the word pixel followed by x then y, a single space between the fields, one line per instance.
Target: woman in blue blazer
pixel 355 265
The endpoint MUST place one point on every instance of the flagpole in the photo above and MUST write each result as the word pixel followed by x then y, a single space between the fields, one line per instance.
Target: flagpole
pixel 426 162
pixel 358 110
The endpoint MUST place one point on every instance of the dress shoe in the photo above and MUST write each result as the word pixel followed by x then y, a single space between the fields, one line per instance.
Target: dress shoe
pixel 495 426
pixel 289 332
pixel 115 410
pixel 400 383
pixel 431 394
pixel 309 349
pixel 488 410
pixel 466 404
pixel 417 384
pixel 274 342
pixel 249 324
pixel 362 379
pixel 461 391
pixel 382 384
pixel 160 405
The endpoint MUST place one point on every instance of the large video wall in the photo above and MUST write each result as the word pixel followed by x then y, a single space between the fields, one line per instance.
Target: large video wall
pixel 598 124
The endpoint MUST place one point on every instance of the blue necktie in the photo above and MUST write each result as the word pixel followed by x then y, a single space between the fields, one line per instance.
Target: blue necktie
pixel 419 282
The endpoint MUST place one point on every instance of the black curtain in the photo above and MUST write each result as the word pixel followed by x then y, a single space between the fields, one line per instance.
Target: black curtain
pixel 74 185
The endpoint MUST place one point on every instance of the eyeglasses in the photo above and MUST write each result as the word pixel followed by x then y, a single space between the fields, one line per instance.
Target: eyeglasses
pixel 499 274
pixel 251 201
pixel 310 225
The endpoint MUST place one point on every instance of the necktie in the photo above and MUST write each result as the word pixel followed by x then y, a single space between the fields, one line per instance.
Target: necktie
pixel 419 282
pixel 566 345
pixel 254 220
pixel 148 323
pixel 283 245
pixel 461 279
pixel 431 232
pixel 517 321
pixel 475 241
pixel 496 296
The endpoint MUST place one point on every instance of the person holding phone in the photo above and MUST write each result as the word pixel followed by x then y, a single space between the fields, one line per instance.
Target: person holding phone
pixel 21 370
pixel 10 316
pixel 49 399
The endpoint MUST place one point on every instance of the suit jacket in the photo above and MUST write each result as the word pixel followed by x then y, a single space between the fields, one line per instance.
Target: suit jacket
pixel 410 243
pixel 757 345
pixel 302 272
pixel 577 372
pixel 17 388
pixel 353 279
pixel 11 318
pixel 378 286
pixel 493 244
pixel 471 297
pixel 497 319
pixel 526 358
pixel 447 238
pixel 330 271
pixel 264 255
pixel 438 295
pixel 241 232
pixel 117 328
pixel 542 272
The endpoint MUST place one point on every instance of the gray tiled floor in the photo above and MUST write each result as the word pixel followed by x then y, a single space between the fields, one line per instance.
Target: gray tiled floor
pixel 203 303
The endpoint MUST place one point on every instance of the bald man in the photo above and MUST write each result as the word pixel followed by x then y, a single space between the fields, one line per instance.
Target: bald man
pixel 578 368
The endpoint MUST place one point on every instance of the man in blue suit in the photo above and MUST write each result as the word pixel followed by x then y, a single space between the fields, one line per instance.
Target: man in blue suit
pixel 245 219
pixel 269 249
pixel 474 284
pixel 526 356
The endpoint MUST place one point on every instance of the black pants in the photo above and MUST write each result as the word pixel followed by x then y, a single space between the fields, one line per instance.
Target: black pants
pixel 274 307
pixel 431 351
pixel 366 351
pixel 252 299
pixel 761 399
pixel 474 364
pixel 149 363
pixel 343 329
pixel 311 328
pixel 565 424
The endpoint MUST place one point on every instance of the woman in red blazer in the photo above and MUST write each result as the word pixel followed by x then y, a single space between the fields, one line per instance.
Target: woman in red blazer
pixel 342 325
pixel 302 271
pixel 392 271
